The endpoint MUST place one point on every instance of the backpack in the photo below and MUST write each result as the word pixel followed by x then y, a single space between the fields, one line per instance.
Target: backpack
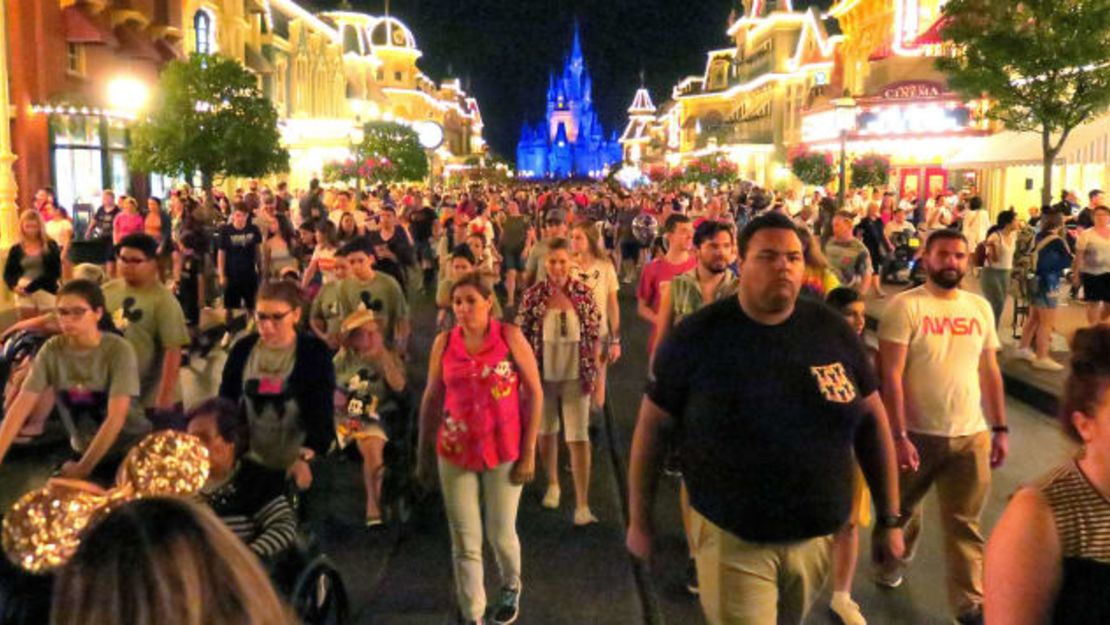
pixel 1057 264
pixel 1024 243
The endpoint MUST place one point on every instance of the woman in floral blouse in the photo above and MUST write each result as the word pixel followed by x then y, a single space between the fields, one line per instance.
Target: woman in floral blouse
pixel 561 320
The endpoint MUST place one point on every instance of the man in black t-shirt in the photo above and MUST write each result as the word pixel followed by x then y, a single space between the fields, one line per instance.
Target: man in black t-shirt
pixel 238 258
pixel 767 429
pixel 1085 219
pixel 100 227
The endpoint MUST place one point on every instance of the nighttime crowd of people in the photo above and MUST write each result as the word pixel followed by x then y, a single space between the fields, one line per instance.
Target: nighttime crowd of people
pixel 788 431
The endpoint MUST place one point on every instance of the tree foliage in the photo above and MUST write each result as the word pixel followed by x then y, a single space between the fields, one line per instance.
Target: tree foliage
pixel 208 116
pixel 1044 64
pixel 397 143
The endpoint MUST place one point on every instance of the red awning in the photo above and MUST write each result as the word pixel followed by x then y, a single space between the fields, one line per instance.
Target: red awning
pixel 932 35
pixel 81 26
pixel 136 45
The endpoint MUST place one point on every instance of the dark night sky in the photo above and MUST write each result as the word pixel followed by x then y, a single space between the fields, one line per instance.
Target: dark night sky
pixel 504 49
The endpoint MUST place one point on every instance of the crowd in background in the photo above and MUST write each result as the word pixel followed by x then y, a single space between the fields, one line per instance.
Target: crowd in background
pixel 307 295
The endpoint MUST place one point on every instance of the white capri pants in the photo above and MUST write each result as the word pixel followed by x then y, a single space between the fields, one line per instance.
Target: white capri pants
pixel 566 397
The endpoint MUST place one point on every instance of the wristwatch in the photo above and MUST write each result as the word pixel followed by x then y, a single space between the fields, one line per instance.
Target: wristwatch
pixel 889 521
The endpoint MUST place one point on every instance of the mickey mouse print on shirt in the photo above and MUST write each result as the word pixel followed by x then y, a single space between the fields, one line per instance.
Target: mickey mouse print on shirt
pixel 127 314
pixel 369 302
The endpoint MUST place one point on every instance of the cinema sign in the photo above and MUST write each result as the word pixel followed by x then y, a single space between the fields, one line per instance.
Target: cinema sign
pixel 913 90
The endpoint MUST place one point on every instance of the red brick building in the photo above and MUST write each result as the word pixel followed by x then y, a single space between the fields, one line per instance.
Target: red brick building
pixel 66 57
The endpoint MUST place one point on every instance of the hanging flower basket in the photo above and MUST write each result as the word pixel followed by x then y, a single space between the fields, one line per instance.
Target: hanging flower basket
pixel 870 170
pixel 812 168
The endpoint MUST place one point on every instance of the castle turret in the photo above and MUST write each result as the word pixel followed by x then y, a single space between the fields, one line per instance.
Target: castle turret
pixel 572 139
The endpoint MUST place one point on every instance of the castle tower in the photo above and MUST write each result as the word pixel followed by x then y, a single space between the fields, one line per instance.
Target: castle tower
pixel 572 135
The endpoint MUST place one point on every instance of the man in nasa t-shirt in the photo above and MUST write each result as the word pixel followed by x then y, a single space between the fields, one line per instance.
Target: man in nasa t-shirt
pixel 937 347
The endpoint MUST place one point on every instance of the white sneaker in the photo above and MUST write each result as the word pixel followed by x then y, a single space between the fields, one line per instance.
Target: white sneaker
pixel 551 498
pixel 1024 353
pixel 1047 364
pixel 889 579
pixel 846 610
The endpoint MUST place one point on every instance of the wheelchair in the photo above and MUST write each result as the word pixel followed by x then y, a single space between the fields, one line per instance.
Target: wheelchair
pixel 312 585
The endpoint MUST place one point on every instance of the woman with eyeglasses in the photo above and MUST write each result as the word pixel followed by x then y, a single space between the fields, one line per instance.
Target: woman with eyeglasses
pixel 283 380
pixel 561 321
pixel 90 374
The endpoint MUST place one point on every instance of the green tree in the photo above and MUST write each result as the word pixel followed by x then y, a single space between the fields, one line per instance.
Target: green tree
pixel 1044 64
pixel 397 143
pixel 208 116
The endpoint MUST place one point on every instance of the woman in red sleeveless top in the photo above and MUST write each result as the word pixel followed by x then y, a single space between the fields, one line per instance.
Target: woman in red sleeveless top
pixel 475 427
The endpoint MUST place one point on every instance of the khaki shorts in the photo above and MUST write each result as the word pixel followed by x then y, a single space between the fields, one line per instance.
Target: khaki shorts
pixel 568 399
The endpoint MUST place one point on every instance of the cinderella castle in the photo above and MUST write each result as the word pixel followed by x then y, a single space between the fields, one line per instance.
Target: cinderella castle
pixel 571 142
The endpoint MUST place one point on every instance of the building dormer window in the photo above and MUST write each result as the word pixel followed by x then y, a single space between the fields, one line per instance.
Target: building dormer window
pixel 204 27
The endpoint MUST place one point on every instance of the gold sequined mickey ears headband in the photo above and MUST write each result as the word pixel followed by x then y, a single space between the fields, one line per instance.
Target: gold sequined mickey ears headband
pixel 44 528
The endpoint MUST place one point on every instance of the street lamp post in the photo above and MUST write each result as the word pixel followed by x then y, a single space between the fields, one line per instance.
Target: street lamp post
pixel 846 121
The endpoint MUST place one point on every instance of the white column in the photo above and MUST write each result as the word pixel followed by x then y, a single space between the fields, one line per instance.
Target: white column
pixel 9 217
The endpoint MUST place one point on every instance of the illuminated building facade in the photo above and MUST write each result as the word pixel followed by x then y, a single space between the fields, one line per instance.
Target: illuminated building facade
pixel 748 102
pixel 73 90
pixel 384 82
pixel 904 107
pixel 328 73
pixel 570 141
pixel 79 70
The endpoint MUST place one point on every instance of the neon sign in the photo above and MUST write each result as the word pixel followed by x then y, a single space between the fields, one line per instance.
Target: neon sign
pixel 912 90
pixel 928 118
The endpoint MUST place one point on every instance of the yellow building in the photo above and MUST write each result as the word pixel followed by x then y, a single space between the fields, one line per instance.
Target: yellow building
pixel 903 107
pixel 327 74
pixel 747 103
pixel 384 82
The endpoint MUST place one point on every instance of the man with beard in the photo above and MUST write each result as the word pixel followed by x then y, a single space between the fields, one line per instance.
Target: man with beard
pixel 769 398
pixel 706 283
pixel 937 347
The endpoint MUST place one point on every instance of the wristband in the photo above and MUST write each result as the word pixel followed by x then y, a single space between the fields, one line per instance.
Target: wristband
pixel 1001 429
pixel 889 521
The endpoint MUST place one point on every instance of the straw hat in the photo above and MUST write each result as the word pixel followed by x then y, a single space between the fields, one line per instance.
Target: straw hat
pixel 356 320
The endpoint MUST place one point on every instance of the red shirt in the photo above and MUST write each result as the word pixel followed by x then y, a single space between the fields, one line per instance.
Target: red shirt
pixel 481 413
pixel 655 274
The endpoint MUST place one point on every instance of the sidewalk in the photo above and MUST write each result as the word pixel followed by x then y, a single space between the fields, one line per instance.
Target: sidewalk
pixel 1033 386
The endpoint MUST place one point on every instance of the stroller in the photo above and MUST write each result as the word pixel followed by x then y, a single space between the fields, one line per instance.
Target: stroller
pixel 903 267
pixel 17 354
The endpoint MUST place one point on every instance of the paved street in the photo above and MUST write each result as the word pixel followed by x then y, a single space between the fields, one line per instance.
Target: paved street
pixel 577 575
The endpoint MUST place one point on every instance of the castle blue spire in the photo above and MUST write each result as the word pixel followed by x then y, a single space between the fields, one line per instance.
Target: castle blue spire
pixel 571 141
pixel 576 47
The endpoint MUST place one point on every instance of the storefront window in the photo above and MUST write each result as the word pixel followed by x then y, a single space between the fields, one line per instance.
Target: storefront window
pixel 88 156
pixel 202 24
